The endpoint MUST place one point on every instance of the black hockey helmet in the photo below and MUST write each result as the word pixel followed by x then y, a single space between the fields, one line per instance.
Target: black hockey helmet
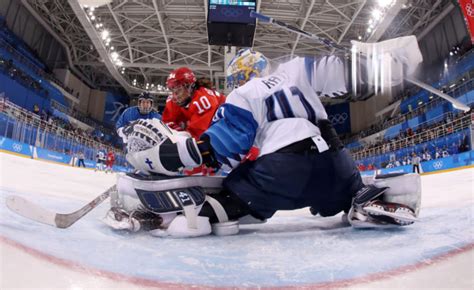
pixel 145 103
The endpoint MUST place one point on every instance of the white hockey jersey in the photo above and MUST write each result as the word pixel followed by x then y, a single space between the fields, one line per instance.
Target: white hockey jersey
pixel 269 113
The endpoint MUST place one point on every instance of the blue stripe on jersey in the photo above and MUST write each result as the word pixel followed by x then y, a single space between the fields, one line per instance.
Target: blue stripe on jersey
pixel 270 103
pixel 284 104
pixel 307 106
pixel 232 135
pixel 132 114
pixel 309 66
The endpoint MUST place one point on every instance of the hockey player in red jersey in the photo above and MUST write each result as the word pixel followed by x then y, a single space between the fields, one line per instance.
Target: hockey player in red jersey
pixel 109 161
pixel 192 104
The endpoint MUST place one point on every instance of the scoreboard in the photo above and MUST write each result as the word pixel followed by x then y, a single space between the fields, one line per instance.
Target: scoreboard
pixel 229 22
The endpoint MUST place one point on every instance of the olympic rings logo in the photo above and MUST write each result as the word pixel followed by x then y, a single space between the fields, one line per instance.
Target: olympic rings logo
pixel 438 164
pixel 17 147
pixel 338 119
pixel 469 10
pixel 231 13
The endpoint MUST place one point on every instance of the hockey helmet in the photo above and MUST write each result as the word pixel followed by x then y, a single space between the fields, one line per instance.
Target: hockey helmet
pixel 246 65
pixel 181 82
pixel 145 103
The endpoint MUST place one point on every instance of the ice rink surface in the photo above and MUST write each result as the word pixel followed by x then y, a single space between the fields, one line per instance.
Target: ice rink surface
pixel 292 250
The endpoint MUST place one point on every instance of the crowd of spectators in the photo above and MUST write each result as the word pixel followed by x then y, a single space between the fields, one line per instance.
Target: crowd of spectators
pixel 102 134
pixel 447 124
pixel 14 46
pixel 426 135
pixel 463 84
pixel 8 68
pixel 58 127
pixel 400 118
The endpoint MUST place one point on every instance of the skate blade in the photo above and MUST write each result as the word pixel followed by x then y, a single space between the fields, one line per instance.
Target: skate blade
pixel 402 216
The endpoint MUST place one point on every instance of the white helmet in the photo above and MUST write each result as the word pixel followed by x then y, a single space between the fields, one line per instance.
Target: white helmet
pixel 246 65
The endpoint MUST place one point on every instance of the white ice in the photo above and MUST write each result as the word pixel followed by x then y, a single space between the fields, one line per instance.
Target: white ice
pixel 294 249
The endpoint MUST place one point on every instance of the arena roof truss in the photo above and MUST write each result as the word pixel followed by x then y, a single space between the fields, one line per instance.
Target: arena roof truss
pixel 152 37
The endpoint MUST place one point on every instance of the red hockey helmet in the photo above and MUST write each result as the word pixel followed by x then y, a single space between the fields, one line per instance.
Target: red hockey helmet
pixel 180 77
pixel 181 82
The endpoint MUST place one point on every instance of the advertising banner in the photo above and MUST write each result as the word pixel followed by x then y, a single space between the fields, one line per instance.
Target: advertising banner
pixel 15 146
pixel 467 8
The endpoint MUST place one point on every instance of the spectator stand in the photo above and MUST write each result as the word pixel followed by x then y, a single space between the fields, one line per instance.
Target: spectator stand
pixel 21 125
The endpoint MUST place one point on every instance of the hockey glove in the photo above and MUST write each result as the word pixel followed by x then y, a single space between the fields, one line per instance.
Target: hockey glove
pixel 168 152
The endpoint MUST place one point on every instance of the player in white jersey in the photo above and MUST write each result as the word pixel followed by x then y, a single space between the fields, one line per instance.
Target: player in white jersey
pixel 301 161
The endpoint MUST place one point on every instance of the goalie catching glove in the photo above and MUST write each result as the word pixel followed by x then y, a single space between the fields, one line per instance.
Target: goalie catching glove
pixel 154 147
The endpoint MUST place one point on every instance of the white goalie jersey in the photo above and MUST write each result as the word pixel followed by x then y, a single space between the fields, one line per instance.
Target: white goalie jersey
pixel 264 109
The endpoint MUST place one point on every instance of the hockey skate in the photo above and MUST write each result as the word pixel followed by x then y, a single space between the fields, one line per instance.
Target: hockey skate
pixel 390 201
pixel 381 214
pixel 120 219
pixel 394 213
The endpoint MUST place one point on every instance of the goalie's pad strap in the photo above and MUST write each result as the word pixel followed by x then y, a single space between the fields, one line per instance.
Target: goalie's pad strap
pixel 368 193
pixel 219 210
pixel 173 200
pixel 389 175
pixel 159 182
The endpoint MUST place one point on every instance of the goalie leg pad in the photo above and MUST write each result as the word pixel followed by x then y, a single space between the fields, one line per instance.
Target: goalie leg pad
pixel 163 195
pixel 174 200
pixel 126 196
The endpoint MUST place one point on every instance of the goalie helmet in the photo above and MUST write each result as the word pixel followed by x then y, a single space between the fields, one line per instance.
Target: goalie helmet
pixel 246 65
pixel 181 82
pixel 145 103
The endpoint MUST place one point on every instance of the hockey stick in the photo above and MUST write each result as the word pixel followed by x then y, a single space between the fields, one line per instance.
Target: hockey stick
pixel 266 19
pixel 34 212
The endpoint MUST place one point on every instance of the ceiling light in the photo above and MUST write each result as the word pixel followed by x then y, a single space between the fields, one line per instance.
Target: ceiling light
pixel 385 3
pixel 105 34
pixel 377 14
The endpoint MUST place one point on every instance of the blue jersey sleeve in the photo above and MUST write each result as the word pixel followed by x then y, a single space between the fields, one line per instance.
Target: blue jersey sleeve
pixel 232 134
pixel 132 114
